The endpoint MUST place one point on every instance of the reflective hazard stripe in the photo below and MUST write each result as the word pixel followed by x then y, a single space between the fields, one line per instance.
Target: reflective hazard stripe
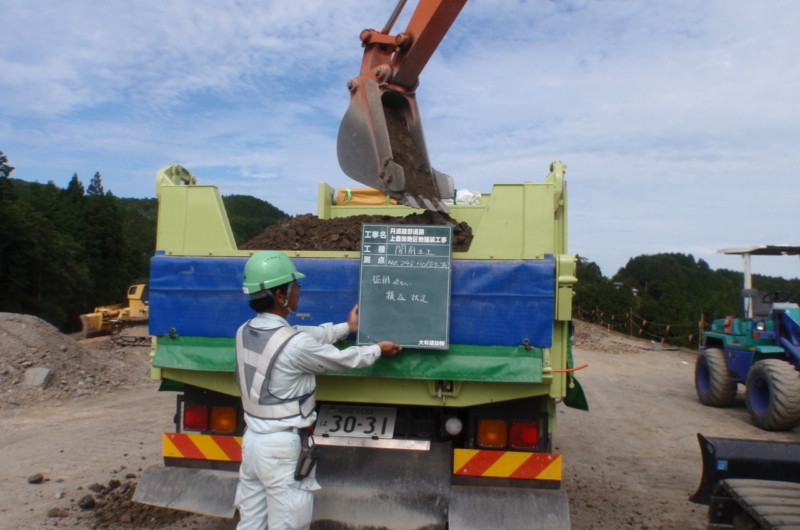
pixel 203 446
pixel 507 464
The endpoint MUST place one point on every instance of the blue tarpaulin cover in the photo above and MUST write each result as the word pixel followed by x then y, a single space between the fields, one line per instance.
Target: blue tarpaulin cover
pixel 493 303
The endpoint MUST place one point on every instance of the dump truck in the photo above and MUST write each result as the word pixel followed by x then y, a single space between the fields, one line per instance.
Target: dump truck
pixel 126 325
pixel 457 436
pixel 760 349
pixel 474 425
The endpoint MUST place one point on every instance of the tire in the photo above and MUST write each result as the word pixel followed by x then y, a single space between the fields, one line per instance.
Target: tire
pixel 773 395
pixel 712 380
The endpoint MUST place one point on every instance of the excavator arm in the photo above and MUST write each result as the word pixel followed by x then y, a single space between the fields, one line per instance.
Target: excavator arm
pixel 381 142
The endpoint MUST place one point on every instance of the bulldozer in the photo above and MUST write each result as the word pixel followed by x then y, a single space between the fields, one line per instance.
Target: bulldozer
pixel 128 326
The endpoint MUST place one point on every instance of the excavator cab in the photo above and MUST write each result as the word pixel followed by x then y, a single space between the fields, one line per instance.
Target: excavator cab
pixel 381 142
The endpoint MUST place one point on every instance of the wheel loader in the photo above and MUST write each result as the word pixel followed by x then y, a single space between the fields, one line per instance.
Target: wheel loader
pixel 126 325
pixel 458 438
pixel 760 350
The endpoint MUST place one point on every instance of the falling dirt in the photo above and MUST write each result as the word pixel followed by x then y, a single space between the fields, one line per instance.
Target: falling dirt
pixel 418 174
pixel 308 232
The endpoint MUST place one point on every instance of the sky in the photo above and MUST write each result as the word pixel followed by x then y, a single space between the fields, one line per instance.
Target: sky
pixel 678 120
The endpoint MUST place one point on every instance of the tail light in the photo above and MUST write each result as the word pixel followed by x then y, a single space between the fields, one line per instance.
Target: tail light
pixel 524 435
pixel 223 420
pixel 492 434
pixel 195 418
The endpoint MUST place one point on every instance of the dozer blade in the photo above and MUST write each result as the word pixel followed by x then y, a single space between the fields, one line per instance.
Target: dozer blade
pixel 730 458
pixel 92 325
pixel 204 491
pixel 381 145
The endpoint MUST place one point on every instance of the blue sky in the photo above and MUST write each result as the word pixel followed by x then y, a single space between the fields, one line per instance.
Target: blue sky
pixel 678 120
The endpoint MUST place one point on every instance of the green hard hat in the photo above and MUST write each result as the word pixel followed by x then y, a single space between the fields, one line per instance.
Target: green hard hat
pixel 267 269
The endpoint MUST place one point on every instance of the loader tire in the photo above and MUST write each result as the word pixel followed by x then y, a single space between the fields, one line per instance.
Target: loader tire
pixel 712 380
pixel 773 395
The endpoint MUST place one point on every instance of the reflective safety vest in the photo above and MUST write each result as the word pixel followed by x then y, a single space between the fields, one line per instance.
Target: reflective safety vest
pixel 256 353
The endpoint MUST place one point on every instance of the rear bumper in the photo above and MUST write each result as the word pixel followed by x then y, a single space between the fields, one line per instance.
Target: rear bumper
pixel 397 489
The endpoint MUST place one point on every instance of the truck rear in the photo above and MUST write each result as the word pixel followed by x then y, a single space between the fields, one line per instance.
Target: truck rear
pixel 471 428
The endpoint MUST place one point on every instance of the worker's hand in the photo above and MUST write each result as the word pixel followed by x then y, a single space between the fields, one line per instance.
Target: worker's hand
pixel 352 319
pixel 389 349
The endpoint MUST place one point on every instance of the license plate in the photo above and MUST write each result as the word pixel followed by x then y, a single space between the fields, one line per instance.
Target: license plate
pixel 358 421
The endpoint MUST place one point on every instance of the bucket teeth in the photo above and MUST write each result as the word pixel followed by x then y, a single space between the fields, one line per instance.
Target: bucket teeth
pixel 428 204
pixel 411 201
pixel 442 207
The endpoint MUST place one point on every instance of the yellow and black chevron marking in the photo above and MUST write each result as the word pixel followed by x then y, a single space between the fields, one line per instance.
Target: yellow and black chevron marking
pixel 203 446
pixel 507 464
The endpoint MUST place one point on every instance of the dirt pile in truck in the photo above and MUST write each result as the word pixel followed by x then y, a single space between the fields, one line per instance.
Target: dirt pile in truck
pixel 38 362
pixel 308 232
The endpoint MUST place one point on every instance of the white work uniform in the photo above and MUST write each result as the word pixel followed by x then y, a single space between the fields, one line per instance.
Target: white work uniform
pixel 268 492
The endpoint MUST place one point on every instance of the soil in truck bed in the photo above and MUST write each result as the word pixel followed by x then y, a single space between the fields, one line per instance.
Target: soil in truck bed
pixel 308 232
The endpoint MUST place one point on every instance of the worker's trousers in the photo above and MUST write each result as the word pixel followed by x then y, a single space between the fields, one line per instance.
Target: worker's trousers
pixel 268 496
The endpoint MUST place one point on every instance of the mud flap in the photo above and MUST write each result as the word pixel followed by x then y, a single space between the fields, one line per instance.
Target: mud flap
pixel 382 488
pixel 204 491
pixel 474 508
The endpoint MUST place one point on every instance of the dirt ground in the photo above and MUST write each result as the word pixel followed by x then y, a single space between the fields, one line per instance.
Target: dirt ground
pixel 309 232
pixel 629 463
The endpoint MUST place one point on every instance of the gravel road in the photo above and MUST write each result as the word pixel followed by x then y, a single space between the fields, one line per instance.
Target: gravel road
pixel 629 463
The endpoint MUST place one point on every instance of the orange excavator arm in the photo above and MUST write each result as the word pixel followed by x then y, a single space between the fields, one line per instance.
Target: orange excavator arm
pixel 381 142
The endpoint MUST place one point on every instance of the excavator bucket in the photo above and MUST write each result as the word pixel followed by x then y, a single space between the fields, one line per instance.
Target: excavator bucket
pixel 381 145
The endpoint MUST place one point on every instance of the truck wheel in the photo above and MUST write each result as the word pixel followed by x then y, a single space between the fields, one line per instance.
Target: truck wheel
pixel 773 395
pixel 712 379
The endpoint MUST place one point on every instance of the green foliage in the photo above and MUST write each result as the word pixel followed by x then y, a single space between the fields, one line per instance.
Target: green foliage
pixel 661 290
pixel 6 188
pixel 249 216
pixel 41 272
pixel 95 186
pixel 139 220
pixel 65 251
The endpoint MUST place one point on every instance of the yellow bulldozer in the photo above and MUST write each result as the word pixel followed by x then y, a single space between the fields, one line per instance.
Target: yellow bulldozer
pixel 128 326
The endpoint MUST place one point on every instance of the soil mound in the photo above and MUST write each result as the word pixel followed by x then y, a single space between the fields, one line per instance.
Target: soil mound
pixel 597 338
pixel 29 347
pixel 308 232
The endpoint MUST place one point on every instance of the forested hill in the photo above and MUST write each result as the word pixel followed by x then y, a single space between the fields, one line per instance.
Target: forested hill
pixel 665 295
pixel 65 251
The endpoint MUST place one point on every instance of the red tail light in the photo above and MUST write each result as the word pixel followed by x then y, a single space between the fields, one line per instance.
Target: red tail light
pixel 524 435
pixel 195 418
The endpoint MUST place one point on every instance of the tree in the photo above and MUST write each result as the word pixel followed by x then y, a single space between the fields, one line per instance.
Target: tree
pixel 95 186
pixel 75 190
pixel 6 188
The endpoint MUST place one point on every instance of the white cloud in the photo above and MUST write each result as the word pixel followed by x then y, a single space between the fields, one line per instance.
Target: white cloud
pixel 678 120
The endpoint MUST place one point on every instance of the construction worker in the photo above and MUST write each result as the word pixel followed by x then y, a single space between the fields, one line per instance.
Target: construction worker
pixel 276 364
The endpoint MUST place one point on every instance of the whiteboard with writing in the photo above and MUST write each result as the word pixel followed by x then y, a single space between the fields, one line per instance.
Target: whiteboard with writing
pixel 404 294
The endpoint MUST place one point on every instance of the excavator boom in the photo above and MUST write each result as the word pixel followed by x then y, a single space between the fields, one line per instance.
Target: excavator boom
pixel 381 142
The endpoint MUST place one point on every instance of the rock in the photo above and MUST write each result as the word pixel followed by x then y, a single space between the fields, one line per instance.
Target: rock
pixel 57 512
pixel 97 487
pixel 113 484
pixel 63 347
pixel 86 502
pixel 125 518
pixel 39 376
pixel 36 478
pixel 130 476
pixel 26 364
pixel 13 401
pixel 60 495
